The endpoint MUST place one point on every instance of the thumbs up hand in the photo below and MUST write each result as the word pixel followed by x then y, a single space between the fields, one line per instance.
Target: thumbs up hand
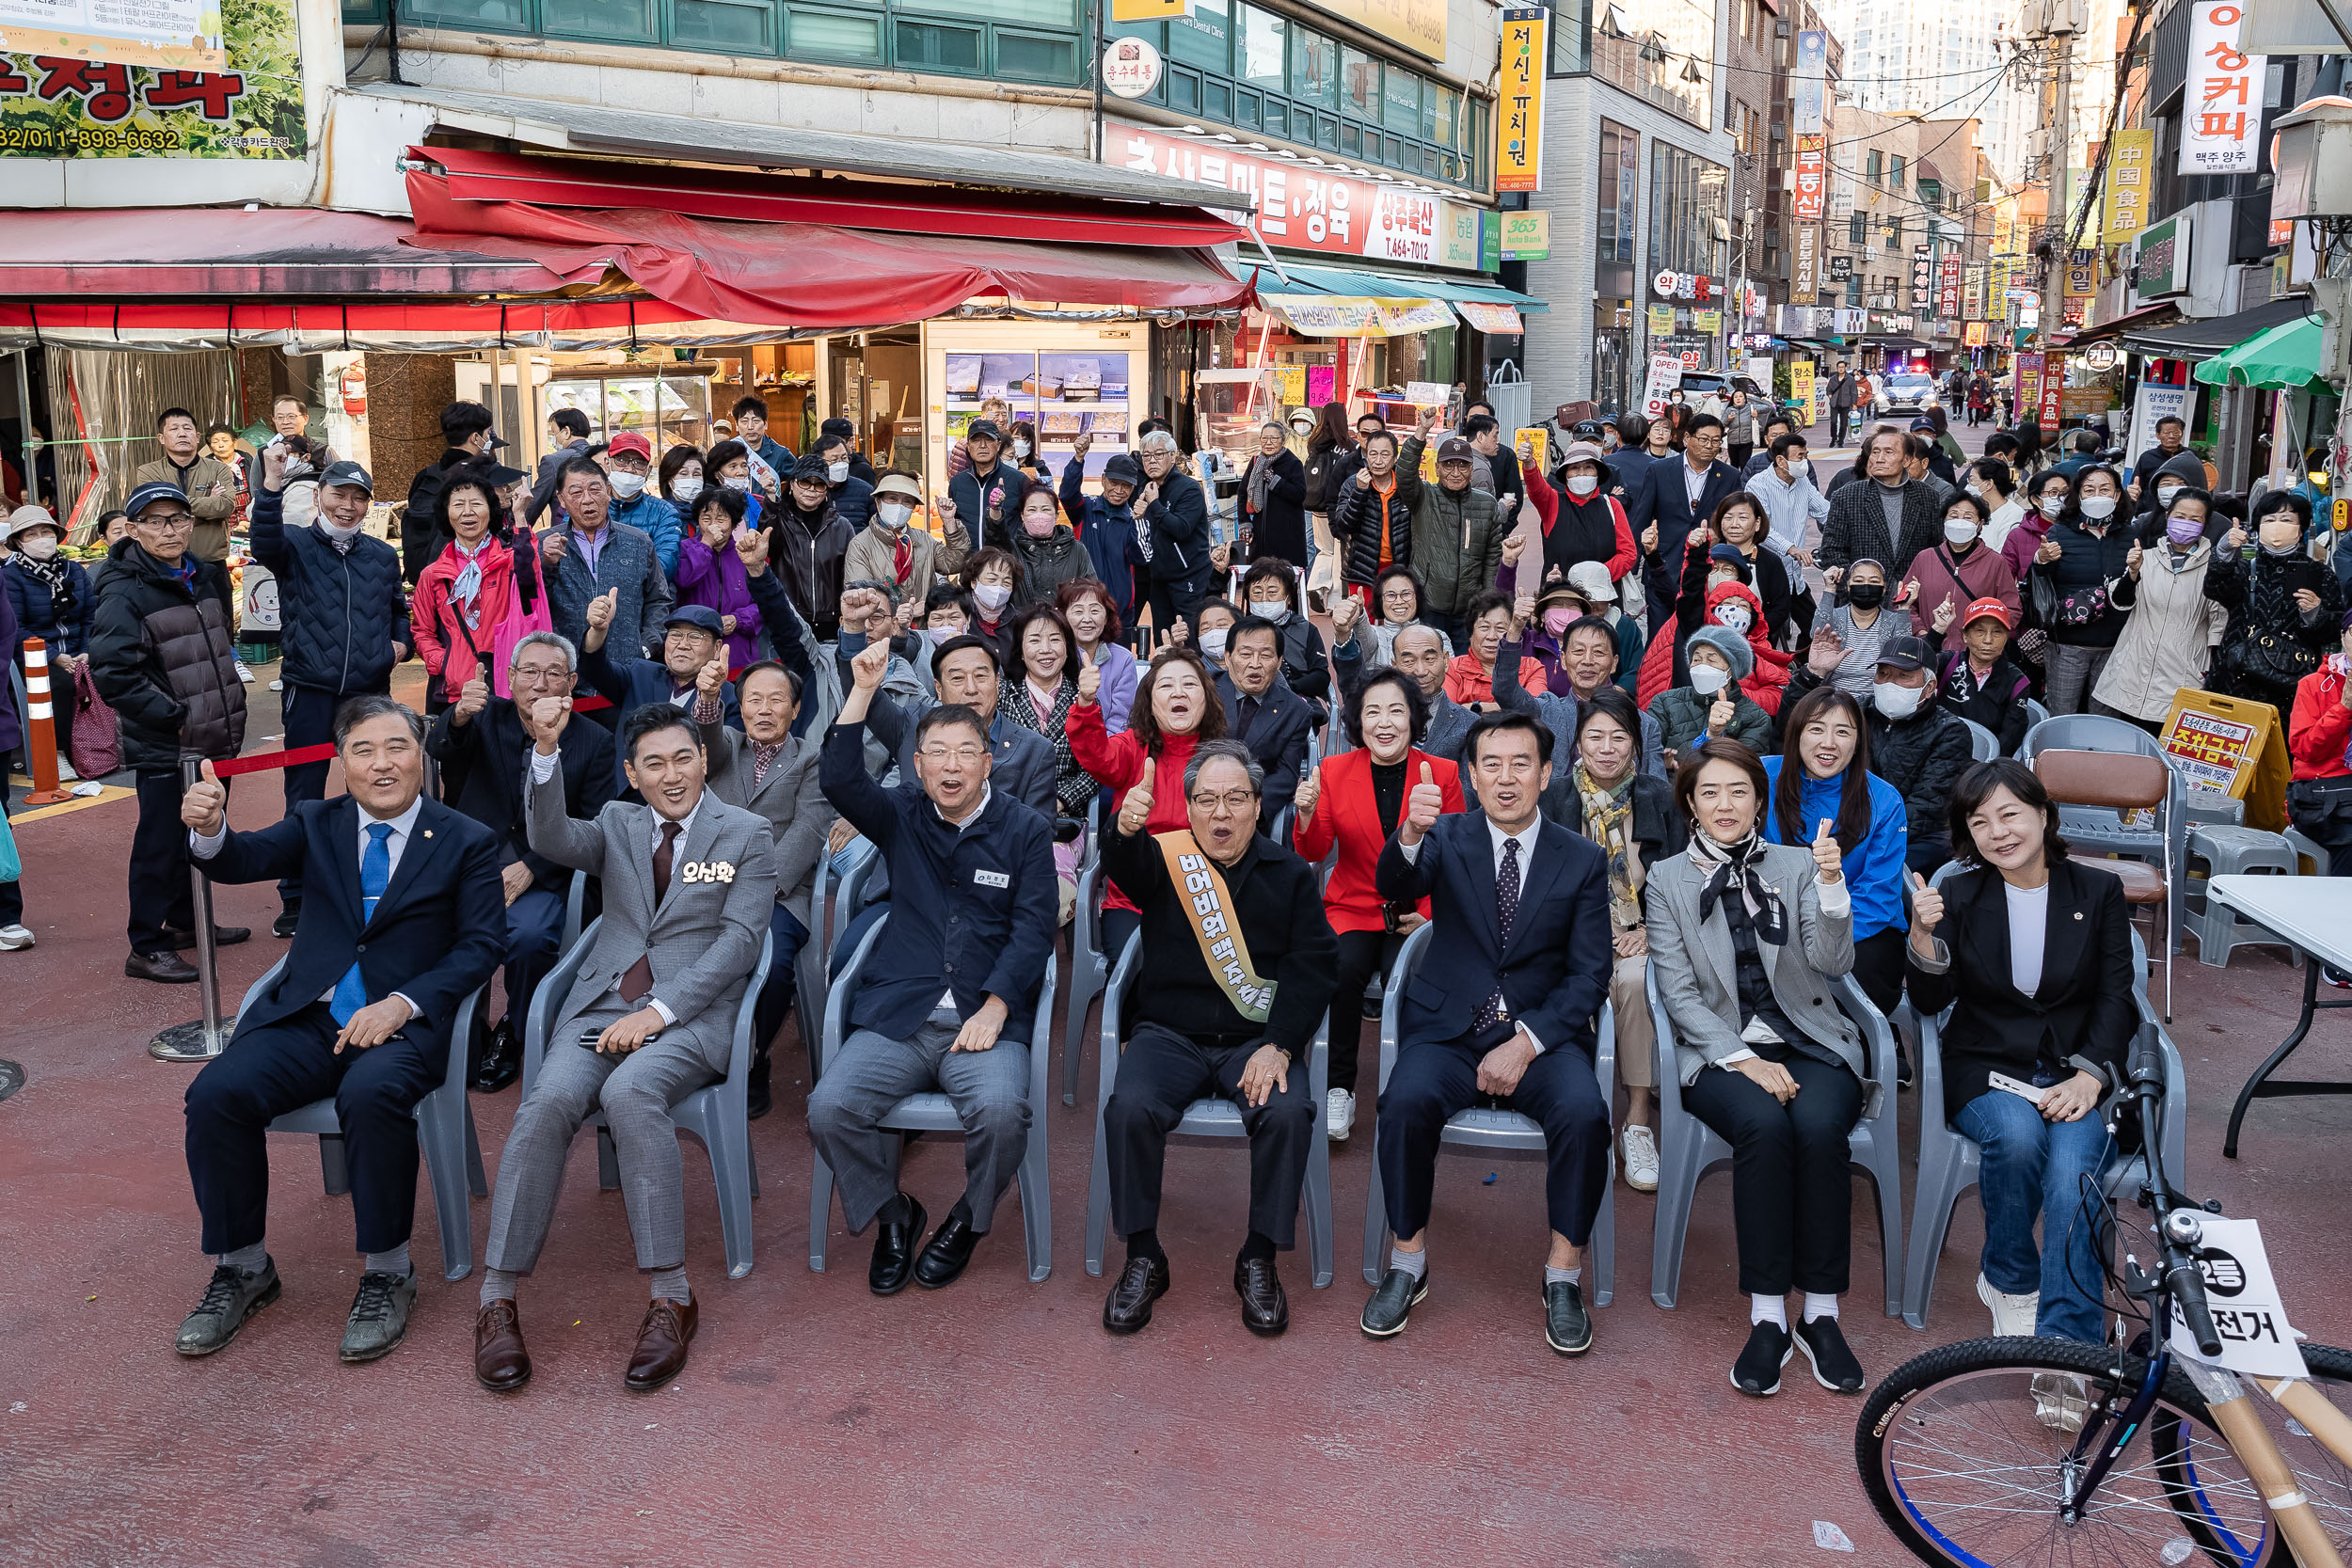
pixel 1828 865
pixel 1926 913
pixel 603 608
pixel 204 807
pixel 1421 809
pixel 1089 682
pixel 1136 810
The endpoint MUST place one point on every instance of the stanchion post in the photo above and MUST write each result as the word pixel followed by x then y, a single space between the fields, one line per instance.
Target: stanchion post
pixel 40 746
pixel 200 1039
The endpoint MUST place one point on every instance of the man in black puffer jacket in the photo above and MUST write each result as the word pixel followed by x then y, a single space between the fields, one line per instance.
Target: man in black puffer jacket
pixel 164 657
pixel 1919 746
pixel 346 621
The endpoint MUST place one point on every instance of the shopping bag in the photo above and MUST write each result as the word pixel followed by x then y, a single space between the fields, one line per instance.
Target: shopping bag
pixel 96 745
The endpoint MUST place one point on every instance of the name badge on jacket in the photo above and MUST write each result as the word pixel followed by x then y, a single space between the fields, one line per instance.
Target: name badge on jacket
pixel 707 871
pixel 991 878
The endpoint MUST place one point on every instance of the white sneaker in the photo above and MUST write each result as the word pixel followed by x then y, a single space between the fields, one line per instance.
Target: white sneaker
pixel 2013 1316
pixel 245 675
pixel 12 937
pixel 1339 1114
pixel 276 686
pixel 1637 1151
pixel 65 771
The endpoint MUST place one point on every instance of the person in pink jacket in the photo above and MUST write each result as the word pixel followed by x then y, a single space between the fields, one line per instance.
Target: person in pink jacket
pixel 1955 573
pixel 710 573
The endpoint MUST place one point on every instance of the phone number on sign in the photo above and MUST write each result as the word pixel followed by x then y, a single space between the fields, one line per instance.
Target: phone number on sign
pixel 16 138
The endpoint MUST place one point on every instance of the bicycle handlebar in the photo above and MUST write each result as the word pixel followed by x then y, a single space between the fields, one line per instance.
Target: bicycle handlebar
pixel 2182 1280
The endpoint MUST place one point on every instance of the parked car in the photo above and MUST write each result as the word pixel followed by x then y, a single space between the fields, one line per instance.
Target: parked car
pixel 1698 385
pixel 1909 393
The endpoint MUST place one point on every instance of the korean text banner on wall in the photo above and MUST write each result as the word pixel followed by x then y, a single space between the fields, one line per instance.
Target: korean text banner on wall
pixel 1520 109
pixel 58 104
pixel 2131 165
pixel 175 35
pixel 1303 208
pixel 2222 114
pixel 1418 24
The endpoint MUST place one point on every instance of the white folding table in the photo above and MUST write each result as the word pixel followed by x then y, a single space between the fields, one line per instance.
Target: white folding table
pixel 2316 915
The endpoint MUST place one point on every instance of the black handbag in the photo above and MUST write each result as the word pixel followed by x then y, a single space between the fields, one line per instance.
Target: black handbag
pixel 2321 810
pixel 2045 599
pixel 2278 661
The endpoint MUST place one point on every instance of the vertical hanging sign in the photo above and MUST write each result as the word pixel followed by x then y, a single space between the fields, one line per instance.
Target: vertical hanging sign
pixel 1519 104
pixel 2222 117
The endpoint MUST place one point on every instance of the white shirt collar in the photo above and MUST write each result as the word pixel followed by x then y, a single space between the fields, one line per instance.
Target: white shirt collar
pixel 685 824
pixel 986 791
pixel 1526 838
pixel 403 826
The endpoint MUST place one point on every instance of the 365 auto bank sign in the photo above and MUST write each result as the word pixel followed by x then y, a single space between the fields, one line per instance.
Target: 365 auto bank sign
pixel 1302 206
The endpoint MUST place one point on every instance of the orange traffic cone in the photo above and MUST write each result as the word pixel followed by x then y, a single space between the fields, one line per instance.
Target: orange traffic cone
pixel 40 746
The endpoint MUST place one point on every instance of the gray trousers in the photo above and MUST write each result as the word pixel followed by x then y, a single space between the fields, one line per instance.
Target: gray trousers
pixel 871 1073
pixel 2073 672
pixel 635 1092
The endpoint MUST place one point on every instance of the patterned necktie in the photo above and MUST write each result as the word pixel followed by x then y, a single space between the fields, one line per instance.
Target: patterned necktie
pixel 1490 1012
pixel 375 871
pixel 639 980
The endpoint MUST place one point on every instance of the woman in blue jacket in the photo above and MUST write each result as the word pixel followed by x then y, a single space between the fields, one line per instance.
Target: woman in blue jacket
pixel 1824 774
pixel 49 593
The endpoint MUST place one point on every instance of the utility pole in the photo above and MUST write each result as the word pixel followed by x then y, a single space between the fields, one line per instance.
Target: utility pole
pixel 1736 319
pixel 2058 28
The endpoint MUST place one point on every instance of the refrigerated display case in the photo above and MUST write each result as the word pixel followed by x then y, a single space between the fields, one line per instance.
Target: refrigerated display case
pixel 1067 379
pixel 667 403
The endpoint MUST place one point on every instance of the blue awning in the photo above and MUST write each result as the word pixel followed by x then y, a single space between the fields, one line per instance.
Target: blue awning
pixel 1388 285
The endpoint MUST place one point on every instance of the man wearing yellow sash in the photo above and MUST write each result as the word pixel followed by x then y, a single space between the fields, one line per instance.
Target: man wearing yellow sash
pixel 1236 974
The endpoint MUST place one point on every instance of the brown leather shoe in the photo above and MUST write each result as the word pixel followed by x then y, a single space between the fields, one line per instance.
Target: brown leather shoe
pixel 500 1361
pixel 660 1350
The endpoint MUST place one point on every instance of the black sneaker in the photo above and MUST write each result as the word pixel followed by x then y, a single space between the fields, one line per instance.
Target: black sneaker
pixel 1758 1371
pixel 1567 1327
pixel 230 1299
pixel 1393 1302
pixel 379 1315
pixel 288 918
pixel 1834 1366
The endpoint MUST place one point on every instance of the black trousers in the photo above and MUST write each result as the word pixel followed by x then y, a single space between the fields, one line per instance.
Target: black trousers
pixel 1160 1073
pixel 1117 926
pixel 160 894
pixel 1877 968
pixel 1172 597
pixel 309 715
pixel 283 1067
pixel 1435 1079
pixel 1839 419
pixel 1792 1197
pixel 1362 955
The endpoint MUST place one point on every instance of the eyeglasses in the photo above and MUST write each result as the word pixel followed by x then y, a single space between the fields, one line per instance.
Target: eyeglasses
pixel 1232 802
pixel 541 675
pixel 166 522
pixel 970 756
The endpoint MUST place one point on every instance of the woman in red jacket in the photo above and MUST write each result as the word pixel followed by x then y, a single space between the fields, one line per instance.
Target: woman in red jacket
pixel 1352 802
pixel 471 605
pixel 1176 708
pixel 2319 733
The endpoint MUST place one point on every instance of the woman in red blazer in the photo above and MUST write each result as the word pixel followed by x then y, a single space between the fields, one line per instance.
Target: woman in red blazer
pixel 1352 802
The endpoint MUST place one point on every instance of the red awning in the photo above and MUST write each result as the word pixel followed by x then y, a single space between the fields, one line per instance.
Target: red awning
pixel 550 181
pixel 811 275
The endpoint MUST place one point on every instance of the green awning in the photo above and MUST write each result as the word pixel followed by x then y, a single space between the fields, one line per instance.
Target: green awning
pixel 1391 285
pixel 2279 359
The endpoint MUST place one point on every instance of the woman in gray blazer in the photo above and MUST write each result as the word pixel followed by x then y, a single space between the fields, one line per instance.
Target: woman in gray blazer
pixel 1745 939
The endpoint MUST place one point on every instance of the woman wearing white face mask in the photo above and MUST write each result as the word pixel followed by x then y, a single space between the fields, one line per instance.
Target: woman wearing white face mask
pixel 51 596
pixel 1022 454
pixel 993 578
pixel 1961 569
pixel 2086 552
pixel 2171 623
pixel 1590 524
pixel 1270 589
pixel 681 481
pixel 896 547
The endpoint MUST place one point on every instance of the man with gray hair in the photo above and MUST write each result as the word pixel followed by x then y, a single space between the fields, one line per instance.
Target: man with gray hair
pixel 1173 532
pixel 1241 977
pixel 480 741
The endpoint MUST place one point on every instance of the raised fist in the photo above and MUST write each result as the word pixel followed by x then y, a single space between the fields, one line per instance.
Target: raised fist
pixel 867 668
pixel 1083 444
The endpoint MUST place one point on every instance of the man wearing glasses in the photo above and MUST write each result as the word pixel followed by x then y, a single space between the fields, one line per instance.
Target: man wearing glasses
pixel 163 653
pixel 949 1001
pixel 1241 970
pixel 1674 499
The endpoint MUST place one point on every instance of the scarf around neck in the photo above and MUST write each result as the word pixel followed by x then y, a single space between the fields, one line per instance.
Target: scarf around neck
pixel 1742 862
pixel 52 575
pixel 1609 822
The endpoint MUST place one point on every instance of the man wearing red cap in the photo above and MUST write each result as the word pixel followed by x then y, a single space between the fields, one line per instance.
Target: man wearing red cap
pixel 628 464
pixel 1978 680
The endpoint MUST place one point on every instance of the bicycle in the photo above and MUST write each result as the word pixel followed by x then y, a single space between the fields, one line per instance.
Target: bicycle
pixel 2010 1452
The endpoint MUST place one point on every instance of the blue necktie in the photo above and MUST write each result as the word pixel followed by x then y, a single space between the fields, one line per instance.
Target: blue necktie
pixel 375 870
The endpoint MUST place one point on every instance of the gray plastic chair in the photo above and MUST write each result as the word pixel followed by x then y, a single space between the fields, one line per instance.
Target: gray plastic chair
pixel 812 970
pixel 445 1135
pixel 933 1111
pixel 2098 829
pixel 1088 970
pixel 2035 714
pixel 714 1115
pixel 1689 1151
pixel 1982 743
pixel 1490 1131
pixel 1950 1163
pixel 1211 1116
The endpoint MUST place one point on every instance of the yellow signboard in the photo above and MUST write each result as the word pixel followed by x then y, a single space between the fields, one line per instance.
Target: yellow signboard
pixel 1661 321
pixel 1534 446
pixel 1801 387
pixel 2131 174
pixel 1418 24
pixel 1519 102
pixel 1290 384
pixel 1147 11
pixel 1526 236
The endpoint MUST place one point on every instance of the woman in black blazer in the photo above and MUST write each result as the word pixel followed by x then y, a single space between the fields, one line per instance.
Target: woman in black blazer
pixel 1274 498
pixel 2037 950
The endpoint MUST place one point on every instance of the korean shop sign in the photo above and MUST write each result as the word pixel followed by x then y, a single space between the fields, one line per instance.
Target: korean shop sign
pixel 1519 101
pixel 55 103
pixel 2131 163
pixel 2222 112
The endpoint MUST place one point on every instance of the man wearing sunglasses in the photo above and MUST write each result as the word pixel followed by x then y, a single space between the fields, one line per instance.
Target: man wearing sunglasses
pixel 162 651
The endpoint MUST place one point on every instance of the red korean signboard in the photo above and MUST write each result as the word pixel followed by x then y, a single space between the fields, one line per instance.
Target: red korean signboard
pixel 1812 175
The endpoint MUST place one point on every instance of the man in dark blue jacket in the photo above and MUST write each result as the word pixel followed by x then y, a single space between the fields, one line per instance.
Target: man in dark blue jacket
pixel 952 1006
pixel 987 495
pixel 1676 494
pixel 852 496
pixel 1175 538
pixel 1264 713
pixel 346 619
pixel 751 428
pixel 1502 1004
pixel 691 639
pixel 403 925
pixel 1106 523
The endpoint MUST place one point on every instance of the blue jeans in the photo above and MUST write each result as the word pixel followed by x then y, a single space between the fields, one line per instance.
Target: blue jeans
pixel 2032 1166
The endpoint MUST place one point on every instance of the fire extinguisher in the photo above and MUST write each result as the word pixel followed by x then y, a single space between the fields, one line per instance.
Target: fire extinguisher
pixel 354 386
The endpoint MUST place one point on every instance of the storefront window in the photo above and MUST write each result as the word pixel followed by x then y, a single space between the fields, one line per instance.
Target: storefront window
pixel 1571 38
pixel 1314 70
pixel 1262 49
pixel 1202 36
pixel 1690 198
pixel 1613 232
pixel 1359 84
pixel 1400 96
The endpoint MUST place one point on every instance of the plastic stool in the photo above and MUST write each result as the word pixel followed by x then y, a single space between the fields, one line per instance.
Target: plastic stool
pixel 2230 852
pixel 2200 804
pixel 2307 849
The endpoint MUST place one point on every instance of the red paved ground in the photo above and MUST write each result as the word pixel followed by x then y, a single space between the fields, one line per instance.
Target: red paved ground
pixel 994 1421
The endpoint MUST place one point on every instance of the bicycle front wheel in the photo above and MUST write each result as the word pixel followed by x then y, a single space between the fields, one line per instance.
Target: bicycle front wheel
pixel 1968 1455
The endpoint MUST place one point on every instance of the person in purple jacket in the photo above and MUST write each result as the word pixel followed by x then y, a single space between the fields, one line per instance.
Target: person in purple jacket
pixel 710 572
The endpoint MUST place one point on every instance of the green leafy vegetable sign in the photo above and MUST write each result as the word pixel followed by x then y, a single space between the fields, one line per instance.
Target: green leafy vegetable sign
pixel 67 105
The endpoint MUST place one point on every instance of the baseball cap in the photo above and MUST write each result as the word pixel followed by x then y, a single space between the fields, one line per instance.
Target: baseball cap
pixel 1906 653
pixel 1979 609
pixel 700 616
pixel 1124 469
pixel 1455 451
pixel 899 485
pixel 629 441
pixel 1922 424
pixel 503 478
pixel 983 430
pixel 836 429
pixel 811 467
pixel 1585 430
pixel 346 472
pixel 1590 578
pixel 149 494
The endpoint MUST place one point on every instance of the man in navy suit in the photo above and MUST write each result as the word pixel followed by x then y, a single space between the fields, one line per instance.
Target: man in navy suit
pixel 1263 712
pixel 1521 953
pixel 406 917
pixel 1676 495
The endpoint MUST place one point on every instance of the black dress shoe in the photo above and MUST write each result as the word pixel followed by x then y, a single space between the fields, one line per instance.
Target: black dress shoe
pixel 168 968
pixel 223 935
pixel 1143 1281
pixel 1393 1302
pixel 1567 1327
pixel 948 1251
pixel 1264 1310
pixel 894 1251
pixel 502 1059
pixel 288 918
pixel 757 1101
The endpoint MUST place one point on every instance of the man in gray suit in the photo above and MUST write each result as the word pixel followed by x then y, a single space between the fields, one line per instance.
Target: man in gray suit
pixel 690 883
pixel 768 770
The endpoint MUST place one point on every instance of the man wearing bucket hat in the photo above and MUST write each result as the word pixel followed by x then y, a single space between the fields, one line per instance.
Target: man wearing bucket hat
pixel 895 547
pixel 164 657
pixel 346 618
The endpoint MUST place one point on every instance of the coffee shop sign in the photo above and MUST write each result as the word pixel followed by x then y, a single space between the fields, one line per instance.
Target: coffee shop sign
pixel 1684 285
